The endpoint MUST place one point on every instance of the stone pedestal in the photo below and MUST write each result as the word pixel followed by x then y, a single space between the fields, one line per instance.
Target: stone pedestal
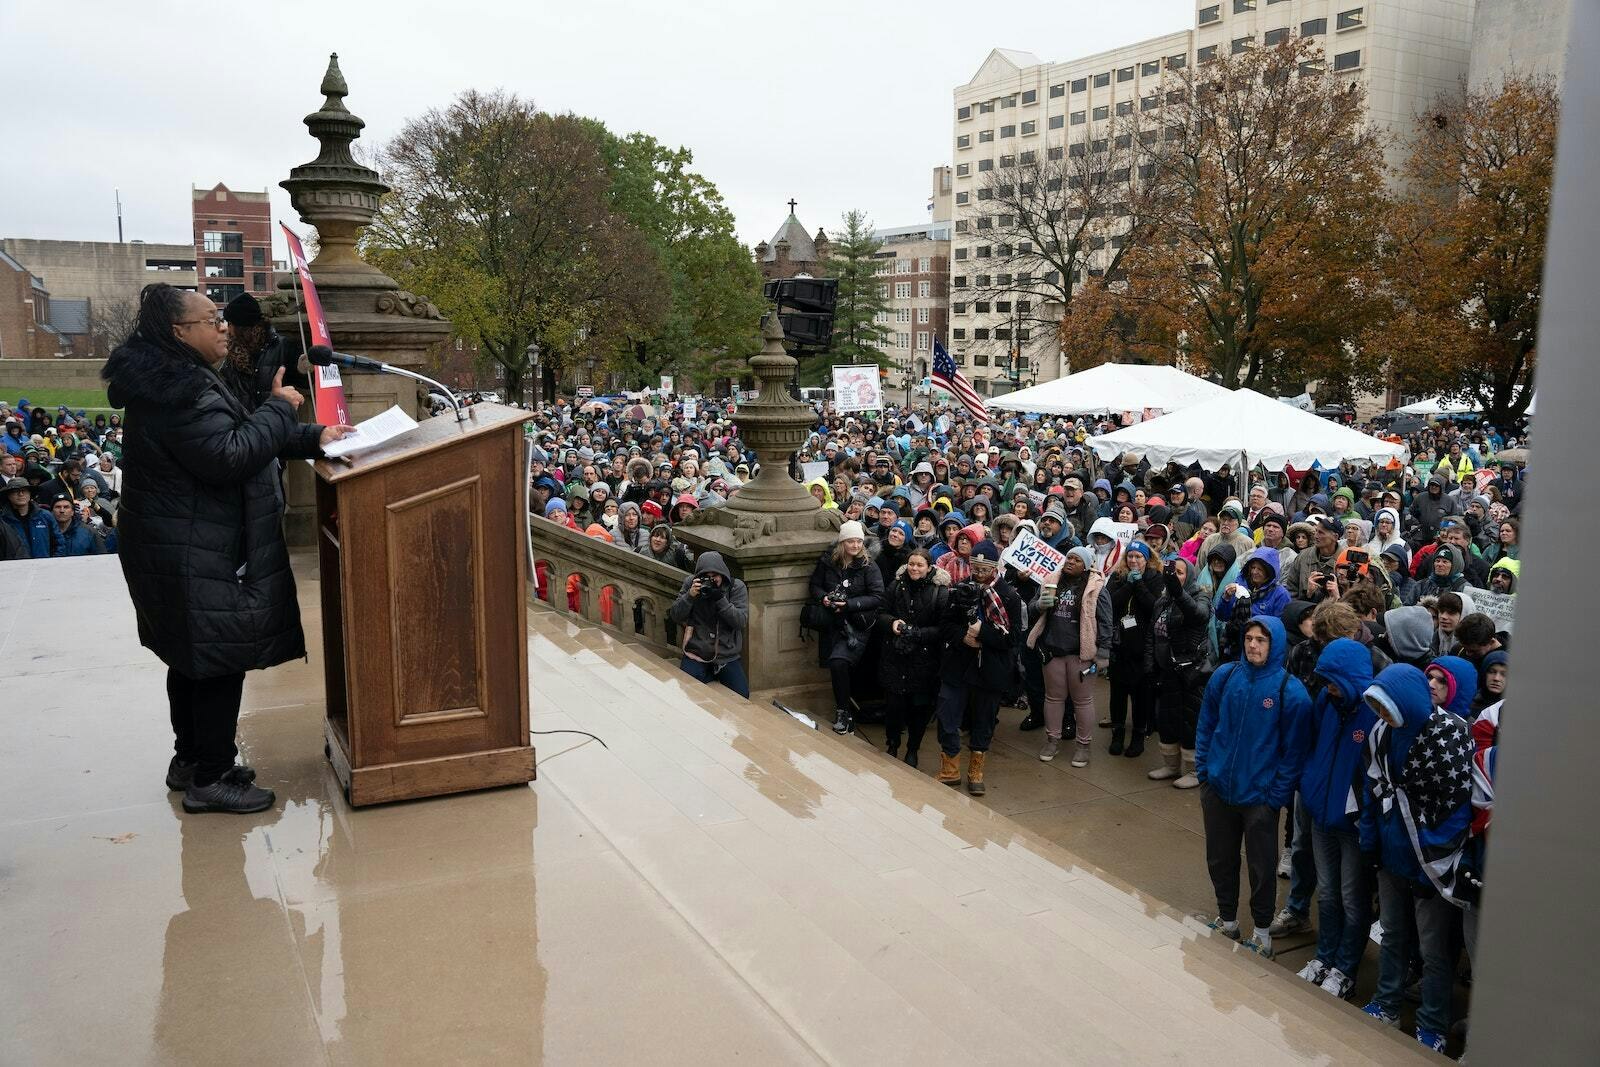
pixel 772 530
pixel 367 312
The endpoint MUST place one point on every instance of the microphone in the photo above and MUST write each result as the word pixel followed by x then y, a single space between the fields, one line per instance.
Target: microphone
pixel 323 356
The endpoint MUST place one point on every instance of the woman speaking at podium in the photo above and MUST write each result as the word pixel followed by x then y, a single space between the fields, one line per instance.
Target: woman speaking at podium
pixel 201 526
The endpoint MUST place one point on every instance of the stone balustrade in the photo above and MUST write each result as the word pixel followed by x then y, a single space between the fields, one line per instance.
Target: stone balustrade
pixel 621 590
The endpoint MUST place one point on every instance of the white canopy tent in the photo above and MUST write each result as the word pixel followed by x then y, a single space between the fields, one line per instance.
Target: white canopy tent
pixel 1244 427
pixel 1436 406
pixel 1112 387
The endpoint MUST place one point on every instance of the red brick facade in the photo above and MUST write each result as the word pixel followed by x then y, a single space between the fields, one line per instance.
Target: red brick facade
pixel 24 314
pixel 232 242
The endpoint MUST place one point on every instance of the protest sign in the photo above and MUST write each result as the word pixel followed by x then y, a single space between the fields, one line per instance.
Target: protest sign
pixel 1501 607
pixel 857 388
pixel 1029 554
pixel 1122 536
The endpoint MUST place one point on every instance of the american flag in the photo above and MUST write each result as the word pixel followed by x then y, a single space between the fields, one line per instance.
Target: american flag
pixel 952 381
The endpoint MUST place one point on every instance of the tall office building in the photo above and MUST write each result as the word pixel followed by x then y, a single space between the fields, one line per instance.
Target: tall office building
pixel 232 242
pixel 1018 108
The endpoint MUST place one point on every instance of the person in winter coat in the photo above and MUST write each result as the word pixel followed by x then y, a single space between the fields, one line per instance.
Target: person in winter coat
pixel 955 563
pixel 1416 811
pixel 1433 505
pixel 908 667
pixel 846 593
pixel 1072 635
pixel 1219 571
pixel 1257 586
pixel 712 611
pixel 1447 573
pixel 663 547
pixel 1385 532
pixel 256 352
pixel 630 532
pixel 32 525
pixel 1229 521
pixel 69 536
pixel 1452 683
pixel 980 634
pixel 949 527
pixel 201 533
pixel 1339 724
pixel 891 551
pixel 1134 589
pixel 1318 558
pixel 1249 752
pixel 1177 655
pixel 1396 560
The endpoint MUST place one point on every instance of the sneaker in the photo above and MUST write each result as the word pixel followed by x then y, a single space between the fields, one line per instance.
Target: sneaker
pixel 1338 984
pixel 1228 928
pixel 1260 943
pixel 1048 752
pixel 1105 722
pixel 1430 1039
pixel 1286 863
pixel 180 774
pixel 1287 922
pixel 1080 758
pixel 1313 972
pixel 842 723
pixel 1382 1014
pixel 227 795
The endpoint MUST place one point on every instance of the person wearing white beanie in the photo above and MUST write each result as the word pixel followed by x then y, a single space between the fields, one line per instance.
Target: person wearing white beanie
pixel 846 592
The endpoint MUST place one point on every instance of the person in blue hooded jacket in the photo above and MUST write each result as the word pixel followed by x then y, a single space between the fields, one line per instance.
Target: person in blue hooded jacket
pixel 33 525
pixel 1256 585
pixel 1330 784
pixel 1453 682
pixel 947 533
pixel 1416 809
pixel 1249 750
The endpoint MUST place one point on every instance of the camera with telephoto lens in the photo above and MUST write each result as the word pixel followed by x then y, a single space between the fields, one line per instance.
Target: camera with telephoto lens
pixel 965 598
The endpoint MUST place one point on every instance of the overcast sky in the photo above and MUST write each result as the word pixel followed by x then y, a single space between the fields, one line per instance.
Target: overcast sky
pixel 837 103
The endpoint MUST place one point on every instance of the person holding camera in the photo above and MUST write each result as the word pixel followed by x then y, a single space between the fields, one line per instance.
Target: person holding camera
pixel 1254 593
pixel 713 609
pixel 980 635
pixel 909 665
pixel 846 593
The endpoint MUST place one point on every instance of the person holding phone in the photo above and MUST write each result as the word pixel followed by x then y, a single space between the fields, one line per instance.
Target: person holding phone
pixel 713 609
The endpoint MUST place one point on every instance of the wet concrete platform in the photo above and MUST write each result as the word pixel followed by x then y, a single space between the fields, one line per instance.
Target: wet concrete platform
pixel 715 883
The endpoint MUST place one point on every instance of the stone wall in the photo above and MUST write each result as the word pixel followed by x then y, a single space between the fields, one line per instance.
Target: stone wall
pixel 621 590
pixel 27 374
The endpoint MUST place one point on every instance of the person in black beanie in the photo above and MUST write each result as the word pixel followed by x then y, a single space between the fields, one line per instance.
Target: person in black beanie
pixel 255 353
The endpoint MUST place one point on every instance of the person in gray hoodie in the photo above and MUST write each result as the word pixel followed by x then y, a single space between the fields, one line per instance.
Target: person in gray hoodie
pixel 1434 504
pixel 712 611
pixel 1408 635
pixel 664 548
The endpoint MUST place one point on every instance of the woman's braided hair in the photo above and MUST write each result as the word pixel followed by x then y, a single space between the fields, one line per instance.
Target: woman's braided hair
pixel 160 309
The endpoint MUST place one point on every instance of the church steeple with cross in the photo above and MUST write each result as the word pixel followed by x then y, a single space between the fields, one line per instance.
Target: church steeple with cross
pixel 793 252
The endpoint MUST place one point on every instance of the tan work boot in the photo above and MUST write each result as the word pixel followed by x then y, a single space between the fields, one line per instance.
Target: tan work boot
pixel 975 773
pixel 949 770
pixel 1169 764
pixel 1188 781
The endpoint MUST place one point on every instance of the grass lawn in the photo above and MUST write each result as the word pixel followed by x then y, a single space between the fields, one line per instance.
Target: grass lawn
pixel 90 400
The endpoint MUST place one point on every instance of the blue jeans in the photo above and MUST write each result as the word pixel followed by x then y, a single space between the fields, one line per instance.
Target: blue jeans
pixel 1434 919
pixel 730 674
pixel 1302 864
pixel 1343 900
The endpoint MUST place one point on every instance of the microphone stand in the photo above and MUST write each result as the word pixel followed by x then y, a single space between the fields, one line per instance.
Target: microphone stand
pixel 455 402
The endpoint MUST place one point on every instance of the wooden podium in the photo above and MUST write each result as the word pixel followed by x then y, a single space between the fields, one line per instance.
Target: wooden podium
pixel 423 553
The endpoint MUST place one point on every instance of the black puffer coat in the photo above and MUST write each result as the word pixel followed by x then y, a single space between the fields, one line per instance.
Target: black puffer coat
pixel 201 515
pixel 909 662
pixel 862 584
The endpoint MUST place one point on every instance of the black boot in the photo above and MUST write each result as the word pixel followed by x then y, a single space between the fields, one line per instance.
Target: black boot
pixel 842 722
pixel 892 747
pixel 1136 745
pixel 1033 720
pixel 1116 741
pixel 911 757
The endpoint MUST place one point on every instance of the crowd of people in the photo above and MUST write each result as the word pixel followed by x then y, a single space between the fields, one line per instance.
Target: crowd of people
pixel 63 477
pixel 1322 654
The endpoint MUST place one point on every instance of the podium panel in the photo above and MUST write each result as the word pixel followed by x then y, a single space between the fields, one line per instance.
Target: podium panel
pixel 424 610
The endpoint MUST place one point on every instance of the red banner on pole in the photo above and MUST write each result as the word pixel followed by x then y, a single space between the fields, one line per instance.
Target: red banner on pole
pixel 327 388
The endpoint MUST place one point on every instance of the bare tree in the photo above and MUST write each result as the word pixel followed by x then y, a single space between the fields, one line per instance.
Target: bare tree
pixel 111 323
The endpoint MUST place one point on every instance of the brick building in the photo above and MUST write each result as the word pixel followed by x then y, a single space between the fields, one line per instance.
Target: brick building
pixel 25 330
pixel 793 253
pixel 232 242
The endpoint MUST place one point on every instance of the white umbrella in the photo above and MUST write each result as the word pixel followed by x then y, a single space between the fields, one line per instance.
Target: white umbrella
pixel 1112 387
pixel 1244 427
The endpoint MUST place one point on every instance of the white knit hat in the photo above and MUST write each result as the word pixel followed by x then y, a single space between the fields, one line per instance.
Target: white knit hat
pixel 852 528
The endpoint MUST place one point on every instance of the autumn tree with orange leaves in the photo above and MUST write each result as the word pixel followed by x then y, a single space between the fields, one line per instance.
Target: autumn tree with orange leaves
pixel 1468 254
pixel 1265 201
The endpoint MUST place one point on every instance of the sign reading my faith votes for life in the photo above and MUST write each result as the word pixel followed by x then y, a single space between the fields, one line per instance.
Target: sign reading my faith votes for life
pixel 1029 554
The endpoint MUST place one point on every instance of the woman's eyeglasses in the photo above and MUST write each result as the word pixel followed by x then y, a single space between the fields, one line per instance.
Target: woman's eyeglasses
pixel 216 321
